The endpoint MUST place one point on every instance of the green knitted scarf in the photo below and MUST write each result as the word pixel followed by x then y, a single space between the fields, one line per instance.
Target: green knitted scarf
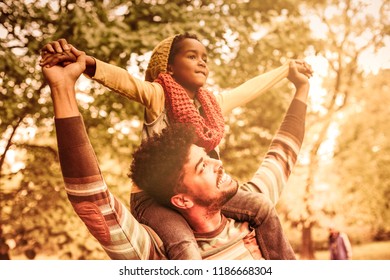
pixel 180 108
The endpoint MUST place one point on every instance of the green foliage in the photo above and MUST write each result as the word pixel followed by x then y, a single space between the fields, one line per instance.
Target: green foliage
pixel 244 38
pixel 35 213
pixel 327 193
pixel 363 156
pixel 250 131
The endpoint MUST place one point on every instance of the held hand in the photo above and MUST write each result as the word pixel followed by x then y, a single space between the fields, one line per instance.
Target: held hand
pixel 59 76
pixel 295 76
pixel 57 53
pixel 62 59
pixel 304 68
pixel 300 81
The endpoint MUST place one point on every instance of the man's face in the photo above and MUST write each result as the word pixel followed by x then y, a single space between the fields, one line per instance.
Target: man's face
pixel 205 180
pixel 189 66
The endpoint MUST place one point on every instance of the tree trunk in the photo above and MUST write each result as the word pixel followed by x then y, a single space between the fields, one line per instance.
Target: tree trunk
pixel 9 143
pixel 4 248
pixel 307 250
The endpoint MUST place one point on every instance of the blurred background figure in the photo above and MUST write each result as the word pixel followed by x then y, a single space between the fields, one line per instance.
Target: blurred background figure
pixel 4 248
pixel 339 245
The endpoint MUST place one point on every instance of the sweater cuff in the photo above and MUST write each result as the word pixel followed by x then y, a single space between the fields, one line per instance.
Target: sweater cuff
pixel 297 108
pixel 77 158
pixel 70 132
pixel 294 121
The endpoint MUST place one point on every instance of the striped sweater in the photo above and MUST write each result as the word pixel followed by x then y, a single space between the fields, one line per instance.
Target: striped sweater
pixel 120 234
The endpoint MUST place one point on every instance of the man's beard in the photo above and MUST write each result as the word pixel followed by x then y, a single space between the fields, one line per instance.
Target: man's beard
pixel 215 204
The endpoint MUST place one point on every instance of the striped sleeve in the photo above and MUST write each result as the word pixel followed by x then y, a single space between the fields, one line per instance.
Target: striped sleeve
pixel 271 177
pixel 108 220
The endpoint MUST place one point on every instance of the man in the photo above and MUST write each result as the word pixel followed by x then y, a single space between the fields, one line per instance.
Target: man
pixel 339 245
pixel 176 173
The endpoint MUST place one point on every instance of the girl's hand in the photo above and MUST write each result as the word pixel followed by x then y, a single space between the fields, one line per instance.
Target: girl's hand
pixel 304 67
pixel 295 76
pixel 57 53
pixel 66 76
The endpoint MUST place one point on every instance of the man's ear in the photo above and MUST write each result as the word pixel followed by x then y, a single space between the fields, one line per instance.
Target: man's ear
pixel 182 201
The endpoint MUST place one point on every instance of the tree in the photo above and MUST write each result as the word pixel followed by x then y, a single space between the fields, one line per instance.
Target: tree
pixel 362 157
pixel 34 212
pixel 349 32
pixel 277 34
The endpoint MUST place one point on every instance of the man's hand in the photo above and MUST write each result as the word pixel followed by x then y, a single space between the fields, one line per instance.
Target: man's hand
pixel 57 53
pixel 300 81
pixel 60 53
pixel 295 76
pixel 304 67
pixel 62 82
pixel 59 76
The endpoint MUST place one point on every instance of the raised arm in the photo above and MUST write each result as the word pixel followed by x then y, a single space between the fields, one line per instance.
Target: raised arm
pixel 258 85
pixel 108 220
pixel 117 79
pixel 59 52
pixel 272 175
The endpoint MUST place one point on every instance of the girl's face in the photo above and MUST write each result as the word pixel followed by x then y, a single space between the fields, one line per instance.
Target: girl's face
pixel 189 67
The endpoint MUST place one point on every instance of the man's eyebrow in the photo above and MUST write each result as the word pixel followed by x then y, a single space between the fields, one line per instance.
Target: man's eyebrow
pixel 199 162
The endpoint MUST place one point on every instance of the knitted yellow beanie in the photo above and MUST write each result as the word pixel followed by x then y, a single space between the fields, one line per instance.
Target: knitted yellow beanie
pixel 159 60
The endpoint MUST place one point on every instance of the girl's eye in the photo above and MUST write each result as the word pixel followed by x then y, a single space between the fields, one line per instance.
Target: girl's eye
pixel 203 167
pixel 192 57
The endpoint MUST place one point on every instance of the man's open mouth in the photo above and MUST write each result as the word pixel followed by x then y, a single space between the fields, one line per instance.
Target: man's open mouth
pixel 222 177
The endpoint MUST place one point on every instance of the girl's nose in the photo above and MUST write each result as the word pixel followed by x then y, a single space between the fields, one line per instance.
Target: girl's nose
pixel 201 62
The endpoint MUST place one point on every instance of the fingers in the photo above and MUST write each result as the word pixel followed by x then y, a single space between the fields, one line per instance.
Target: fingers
pixel 48 48
pixel 56 47
pixel 56 52
pixel 63 45
pixel 50 60
pixel 295 75
pixel 294 66
pixel 304 67
pixel 80 55
pixel 308 69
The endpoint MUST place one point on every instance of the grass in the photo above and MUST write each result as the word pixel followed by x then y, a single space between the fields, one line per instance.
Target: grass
pixel 369 251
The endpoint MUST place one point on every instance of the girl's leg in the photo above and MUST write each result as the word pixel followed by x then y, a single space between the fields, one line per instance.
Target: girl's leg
pixel 249 207
pixel 259 211
pixel 171 227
